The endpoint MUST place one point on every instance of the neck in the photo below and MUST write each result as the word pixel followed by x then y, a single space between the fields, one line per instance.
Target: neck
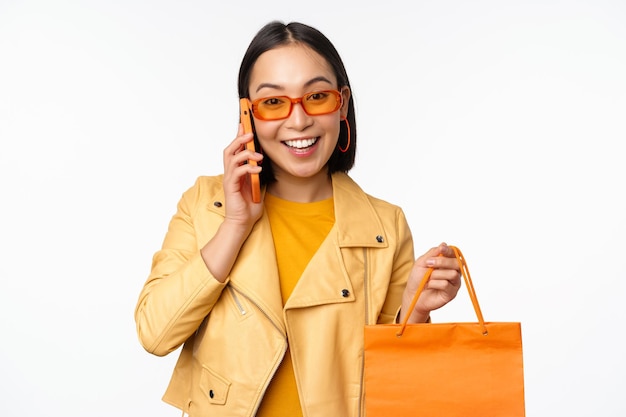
pixel 302 190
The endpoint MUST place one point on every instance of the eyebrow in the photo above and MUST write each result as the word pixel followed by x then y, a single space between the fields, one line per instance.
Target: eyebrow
pixel 307 84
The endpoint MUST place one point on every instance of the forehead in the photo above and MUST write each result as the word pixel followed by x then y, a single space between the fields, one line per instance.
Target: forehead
pixel 289 67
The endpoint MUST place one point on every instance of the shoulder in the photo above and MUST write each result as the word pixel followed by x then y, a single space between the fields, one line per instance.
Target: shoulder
pixel 383 205
pixel 392 216
pixel 347 188
pixel 360 216
pixel 206 190
pixel 206 186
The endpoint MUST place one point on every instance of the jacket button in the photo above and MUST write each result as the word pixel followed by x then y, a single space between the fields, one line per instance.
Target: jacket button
pixel 345 293
pixel 211 393
pixel 379 239
pixel 217 204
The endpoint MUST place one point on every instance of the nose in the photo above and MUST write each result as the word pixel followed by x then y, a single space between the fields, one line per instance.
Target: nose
pixel 299 119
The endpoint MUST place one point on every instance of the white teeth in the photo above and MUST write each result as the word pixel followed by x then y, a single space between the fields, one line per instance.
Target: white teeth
pixel 300 143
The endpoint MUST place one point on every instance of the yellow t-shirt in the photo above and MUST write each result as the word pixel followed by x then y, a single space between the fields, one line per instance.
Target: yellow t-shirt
pixel 298 230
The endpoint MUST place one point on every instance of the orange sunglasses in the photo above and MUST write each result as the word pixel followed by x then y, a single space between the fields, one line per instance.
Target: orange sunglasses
pixel 314 103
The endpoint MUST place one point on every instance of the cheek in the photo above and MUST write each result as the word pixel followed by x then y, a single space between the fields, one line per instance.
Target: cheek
pixel 266 131
pixel 332 128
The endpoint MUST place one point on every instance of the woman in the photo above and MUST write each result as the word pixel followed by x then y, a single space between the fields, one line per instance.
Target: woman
pixel 270 299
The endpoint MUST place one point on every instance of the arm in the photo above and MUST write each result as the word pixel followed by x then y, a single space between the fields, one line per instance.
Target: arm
pixel 186 281
pixel 180 290
pixel 403 260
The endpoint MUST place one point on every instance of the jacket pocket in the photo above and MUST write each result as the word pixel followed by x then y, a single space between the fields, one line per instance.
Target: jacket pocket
pixel 214 386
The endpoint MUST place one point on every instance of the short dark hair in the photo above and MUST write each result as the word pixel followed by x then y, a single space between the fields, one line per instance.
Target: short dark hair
pixel 275 34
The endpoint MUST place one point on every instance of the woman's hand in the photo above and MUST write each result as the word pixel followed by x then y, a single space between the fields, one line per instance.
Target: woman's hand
pixel 442 287
pixel 220 253
pixel 240 210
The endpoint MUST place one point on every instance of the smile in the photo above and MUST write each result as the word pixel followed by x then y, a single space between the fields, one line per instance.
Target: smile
pixel 301 143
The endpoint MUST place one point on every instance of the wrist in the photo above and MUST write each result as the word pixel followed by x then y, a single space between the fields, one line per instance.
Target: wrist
pixel 236 228
pixel 220 253
pixel 416 316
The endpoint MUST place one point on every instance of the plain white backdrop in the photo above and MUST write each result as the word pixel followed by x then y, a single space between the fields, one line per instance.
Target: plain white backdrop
pixel 498 126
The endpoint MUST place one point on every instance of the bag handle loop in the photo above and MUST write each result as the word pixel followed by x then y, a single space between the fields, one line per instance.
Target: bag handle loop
pixel 468 284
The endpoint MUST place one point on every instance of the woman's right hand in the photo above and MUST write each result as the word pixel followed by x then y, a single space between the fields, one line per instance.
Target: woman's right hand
pixel 220 253
pixel 239 207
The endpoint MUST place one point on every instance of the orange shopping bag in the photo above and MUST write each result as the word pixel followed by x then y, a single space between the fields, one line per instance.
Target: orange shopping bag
pixel 444 369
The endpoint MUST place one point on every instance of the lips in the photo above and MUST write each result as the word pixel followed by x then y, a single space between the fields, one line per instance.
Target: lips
pixel 301 143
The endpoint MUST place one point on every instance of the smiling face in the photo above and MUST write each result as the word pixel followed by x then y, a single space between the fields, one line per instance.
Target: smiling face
pixel 299 145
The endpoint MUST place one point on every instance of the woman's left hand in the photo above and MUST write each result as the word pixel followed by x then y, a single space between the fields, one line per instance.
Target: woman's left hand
pixel 442 287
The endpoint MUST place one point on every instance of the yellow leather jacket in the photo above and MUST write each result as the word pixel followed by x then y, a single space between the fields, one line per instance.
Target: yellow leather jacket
pixel 235 334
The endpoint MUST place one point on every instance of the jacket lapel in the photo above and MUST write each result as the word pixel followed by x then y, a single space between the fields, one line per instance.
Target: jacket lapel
pixel 326 278
pixel 358 224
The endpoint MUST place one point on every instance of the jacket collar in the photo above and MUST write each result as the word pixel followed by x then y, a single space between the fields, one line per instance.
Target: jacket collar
pixel 356 221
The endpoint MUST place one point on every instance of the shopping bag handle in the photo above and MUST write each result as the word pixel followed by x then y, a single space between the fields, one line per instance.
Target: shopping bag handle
pixel 468 283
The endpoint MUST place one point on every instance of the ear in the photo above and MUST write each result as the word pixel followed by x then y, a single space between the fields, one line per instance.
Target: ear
pixel 345 95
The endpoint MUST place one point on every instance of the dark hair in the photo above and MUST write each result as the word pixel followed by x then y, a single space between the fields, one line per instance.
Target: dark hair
pixel 275 34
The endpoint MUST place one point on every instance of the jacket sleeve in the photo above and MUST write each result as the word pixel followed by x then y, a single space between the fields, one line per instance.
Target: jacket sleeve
pixel 180 291
pixel 402 264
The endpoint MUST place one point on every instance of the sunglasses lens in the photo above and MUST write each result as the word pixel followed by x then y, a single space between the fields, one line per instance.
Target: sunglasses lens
pixel 272 108
pixel 321 102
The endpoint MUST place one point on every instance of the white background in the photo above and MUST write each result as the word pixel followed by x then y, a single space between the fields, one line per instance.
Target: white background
pixel 497 125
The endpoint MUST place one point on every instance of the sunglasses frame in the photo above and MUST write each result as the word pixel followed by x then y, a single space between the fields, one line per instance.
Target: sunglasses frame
pixel 254 104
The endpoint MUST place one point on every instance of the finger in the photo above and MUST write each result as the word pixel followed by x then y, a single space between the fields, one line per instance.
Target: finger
pixel 446 250
pixel 443 287
pixel 243 156
pixel 432 252
pixel 439 285
pixel 241 140
pixel 237 168
pixel 451 275
pixel 238 145
pixel 442 262
pixel 232 149
pixel 238 178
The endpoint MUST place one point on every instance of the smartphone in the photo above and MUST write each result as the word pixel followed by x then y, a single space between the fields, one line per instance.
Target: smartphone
pixel 246 120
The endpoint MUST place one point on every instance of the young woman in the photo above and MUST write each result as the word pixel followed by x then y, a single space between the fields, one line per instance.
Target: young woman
pixel 269 299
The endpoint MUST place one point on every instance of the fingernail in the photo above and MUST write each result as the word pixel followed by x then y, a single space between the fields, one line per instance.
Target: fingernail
pixel 430 262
